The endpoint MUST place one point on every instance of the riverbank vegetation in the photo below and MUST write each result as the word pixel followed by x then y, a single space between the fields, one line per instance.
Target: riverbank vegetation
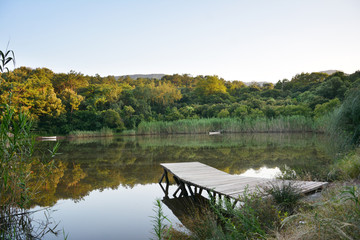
pixel 230 125
pixel 18 185
pixel 60 103
pixel 334 215
pixel 104 132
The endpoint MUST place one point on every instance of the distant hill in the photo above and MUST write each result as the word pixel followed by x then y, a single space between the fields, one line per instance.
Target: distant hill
pixel 257 83
pixel 329 72
pixel 136 76
pixel 160 75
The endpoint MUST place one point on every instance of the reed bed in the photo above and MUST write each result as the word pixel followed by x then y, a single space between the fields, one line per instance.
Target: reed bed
pixel 230 125
pixel 104 132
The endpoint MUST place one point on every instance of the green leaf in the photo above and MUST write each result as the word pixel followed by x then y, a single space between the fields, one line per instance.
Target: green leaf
pixel 8 60
pixel 7 53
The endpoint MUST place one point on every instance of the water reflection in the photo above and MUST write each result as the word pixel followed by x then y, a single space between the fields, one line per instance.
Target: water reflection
pixel 105 188
pixel 262 172
pixel 109 214
pixel 97 164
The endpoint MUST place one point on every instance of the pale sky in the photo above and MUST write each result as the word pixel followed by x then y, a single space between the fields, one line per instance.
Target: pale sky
pixel 257 40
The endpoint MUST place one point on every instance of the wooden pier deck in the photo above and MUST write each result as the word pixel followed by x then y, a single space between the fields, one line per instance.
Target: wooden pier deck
pixel 194 177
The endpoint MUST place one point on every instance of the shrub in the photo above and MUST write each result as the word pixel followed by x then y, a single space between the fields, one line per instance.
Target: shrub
pixel 285 195
pixel 223 113
pixel 112 119
pixel 349 166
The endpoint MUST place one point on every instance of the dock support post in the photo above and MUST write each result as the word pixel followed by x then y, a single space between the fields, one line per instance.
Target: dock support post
pixel 166 189
pixel 212 196
pixel 234 204
pixel 181 187
pixel 190 190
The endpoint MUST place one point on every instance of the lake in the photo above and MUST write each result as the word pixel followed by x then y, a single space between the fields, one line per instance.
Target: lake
pixel 105 188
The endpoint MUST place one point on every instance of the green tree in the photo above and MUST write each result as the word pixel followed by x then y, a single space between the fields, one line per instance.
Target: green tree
pixel 256 113
pixel 322 109
pixel 291 110
pixel 112 119
pixel 332 88
pixel 268 86
pixel 210 85
pixel 72 81
pixel 165 93
pixel 71 100
pixel 31 90
pixel 187 111
pixel 128 113
pixel 224 113
pixel 241 111
pixel 234 87
pixel 173 114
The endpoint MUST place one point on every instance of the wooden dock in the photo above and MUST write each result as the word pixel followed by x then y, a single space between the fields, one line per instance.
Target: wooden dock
pixel 194 177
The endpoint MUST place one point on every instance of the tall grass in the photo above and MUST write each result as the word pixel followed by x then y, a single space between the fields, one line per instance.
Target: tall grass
pixel 17 188
pixel 229 125
pixel 256 218
pixel 346 119
pixel 104 132
pixel 335 216
pixel 347 167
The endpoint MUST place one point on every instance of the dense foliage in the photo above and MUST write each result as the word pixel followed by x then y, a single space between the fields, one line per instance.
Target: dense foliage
pixel 60 103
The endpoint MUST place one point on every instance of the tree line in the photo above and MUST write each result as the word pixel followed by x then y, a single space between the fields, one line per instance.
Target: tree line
pixel 62 102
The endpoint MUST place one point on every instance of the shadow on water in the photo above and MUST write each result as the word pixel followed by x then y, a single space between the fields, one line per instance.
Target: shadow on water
pixel 187 208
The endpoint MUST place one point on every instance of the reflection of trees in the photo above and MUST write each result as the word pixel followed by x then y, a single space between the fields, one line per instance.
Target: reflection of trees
pixel 81 168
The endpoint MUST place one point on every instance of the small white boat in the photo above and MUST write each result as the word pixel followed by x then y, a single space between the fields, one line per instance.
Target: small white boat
pixel 214 133
pixel 50 138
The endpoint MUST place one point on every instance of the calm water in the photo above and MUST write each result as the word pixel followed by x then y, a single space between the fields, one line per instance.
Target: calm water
pixel 105 188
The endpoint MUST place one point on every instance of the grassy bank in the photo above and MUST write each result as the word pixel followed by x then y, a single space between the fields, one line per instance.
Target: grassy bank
pixel 335 214
pixel 230 125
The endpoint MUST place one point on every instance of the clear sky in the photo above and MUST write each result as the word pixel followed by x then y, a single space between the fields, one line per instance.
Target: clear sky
pixel 250 40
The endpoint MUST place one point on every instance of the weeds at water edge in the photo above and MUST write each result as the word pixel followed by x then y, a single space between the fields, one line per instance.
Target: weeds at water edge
pixel 161 229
